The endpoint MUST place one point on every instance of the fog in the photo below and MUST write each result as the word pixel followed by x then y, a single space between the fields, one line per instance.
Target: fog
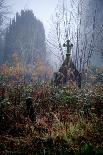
pixel 51 77
pixel 43 9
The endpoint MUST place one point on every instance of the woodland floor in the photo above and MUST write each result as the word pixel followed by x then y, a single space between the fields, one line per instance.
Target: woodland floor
pixel 68 120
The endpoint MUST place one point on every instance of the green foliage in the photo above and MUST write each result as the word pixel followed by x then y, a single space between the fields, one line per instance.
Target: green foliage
pixel 87 149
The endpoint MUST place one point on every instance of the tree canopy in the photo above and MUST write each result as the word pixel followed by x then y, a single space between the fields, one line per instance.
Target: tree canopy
pixel 25 36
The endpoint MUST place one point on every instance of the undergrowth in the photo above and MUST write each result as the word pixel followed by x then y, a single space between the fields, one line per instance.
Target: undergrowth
pixel 68 121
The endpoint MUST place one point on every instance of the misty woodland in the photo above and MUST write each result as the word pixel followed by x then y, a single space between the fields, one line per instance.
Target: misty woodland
pixel 51 82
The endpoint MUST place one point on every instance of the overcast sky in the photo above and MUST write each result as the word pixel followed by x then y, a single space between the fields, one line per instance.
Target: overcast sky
pixel 43 9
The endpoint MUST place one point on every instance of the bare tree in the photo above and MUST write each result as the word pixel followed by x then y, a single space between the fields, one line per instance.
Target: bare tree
pixel 67 24
pixel 4 10
pixel 63 28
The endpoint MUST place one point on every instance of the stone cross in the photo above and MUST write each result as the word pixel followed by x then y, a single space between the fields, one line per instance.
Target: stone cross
pixel 69 46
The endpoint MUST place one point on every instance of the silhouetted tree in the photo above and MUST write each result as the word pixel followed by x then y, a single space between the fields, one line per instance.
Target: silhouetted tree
pixel 26 37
